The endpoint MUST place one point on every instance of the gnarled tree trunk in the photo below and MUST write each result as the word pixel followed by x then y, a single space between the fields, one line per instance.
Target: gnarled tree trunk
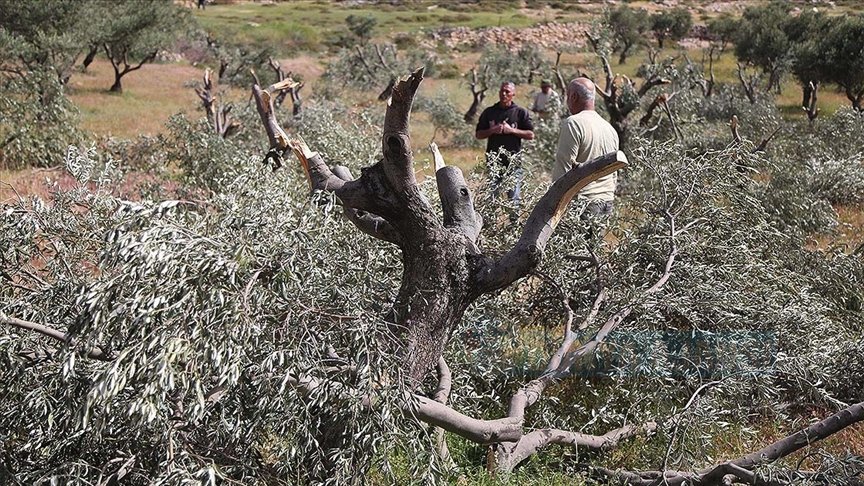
pixel 444 271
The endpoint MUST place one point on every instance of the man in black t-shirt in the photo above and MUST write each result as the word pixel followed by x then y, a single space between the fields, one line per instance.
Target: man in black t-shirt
pixel 505 125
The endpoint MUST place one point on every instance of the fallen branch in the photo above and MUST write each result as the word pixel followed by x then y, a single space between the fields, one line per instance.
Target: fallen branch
pixel 67 339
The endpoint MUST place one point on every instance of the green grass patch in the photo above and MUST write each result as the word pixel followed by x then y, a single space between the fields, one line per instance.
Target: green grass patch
pixel 307 25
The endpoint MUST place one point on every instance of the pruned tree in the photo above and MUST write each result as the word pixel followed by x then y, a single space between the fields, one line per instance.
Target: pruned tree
pixel 293 89
pixel 478 85
pixel 218 114
pixel 698 74
pixel 444 270
pixel 621 97
pixel 749 83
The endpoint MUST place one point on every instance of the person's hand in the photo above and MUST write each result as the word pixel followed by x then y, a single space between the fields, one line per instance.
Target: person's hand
pixel 506 129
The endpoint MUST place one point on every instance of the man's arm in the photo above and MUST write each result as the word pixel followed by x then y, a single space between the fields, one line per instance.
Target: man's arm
pixel 495 129
pixel 523 134
pixel 524 128
pixel 486 127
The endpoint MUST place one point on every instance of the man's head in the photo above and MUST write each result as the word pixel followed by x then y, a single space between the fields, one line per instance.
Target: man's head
pixel 506 93
pixel 580 95
pixel 545 86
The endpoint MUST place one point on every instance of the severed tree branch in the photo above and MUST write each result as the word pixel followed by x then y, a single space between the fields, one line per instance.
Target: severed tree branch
pixel 95 352
pixel 367 222
pixel 456 199
pixel 527 252
pixel 506 456
pixel 398 161
pixel 743 468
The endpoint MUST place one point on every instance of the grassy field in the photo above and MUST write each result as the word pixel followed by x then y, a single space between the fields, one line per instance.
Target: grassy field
pixel 149 97
pixel 307 25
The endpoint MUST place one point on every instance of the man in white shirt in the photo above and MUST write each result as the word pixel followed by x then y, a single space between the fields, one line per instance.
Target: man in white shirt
pixel 541 99
pixel 585 135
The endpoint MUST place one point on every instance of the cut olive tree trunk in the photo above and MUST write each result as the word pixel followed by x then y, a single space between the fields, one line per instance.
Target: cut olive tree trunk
pixel 444 270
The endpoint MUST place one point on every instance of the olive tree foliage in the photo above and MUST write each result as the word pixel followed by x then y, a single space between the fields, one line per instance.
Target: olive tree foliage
pixel 42 36
pixel 628 27
pixel 518 66
pixel 843 59
pixel 37 122
pixel 373 66
pixel 760 40
pixel 671 24
pixel 447 121
pixel 222 339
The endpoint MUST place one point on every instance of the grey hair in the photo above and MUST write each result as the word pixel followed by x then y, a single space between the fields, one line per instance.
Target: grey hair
pixel 580 89
pixel 510 83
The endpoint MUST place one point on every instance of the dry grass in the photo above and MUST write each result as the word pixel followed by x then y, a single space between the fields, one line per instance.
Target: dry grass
pixel 150 95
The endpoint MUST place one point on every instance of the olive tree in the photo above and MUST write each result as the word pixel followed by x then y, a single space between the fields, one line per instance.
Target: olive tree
pixel 760 39
pixel 253 337
pixel 42 36
pixel 672 24
pixel 628 26
pixel 132 36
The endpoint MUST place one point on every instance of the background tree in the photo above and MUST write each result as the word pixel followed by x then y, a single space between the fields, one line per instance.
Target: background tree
pixel 761 40
pixel 47 35
pixel 361 27
pixel 807 34
pixel 628 28
pixel 673 24
pixel 843 52
pixel 132 35
pixel 723 29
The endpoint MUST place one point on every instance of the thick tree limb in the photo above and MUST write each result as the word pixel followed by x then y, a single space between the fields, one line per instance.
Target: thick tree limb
pixel 743 467
pixel 457 202
pixel 398 161
pixel 532 442
pixel 526 254
pixel 475 430
pixel 277 136
pixel 441 395
pixel 93 353
pixel 415 214
pixel 367 222
pixel 651 83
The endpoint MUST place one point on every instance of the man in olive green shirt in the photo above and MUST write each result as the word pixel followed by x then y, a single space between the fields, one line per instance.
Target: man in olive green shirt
pixel 585 135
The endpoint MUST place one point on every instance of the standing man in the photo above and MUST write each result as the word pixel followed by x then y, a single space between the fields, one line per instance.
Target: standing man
pixel 585 135
pixel 505 125
pixel 542 98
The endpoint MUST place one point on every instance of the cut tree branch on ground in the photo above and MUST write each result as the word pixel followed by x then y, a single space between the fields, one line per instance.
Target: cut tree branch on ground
pixel 95 352
pixel 742 469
